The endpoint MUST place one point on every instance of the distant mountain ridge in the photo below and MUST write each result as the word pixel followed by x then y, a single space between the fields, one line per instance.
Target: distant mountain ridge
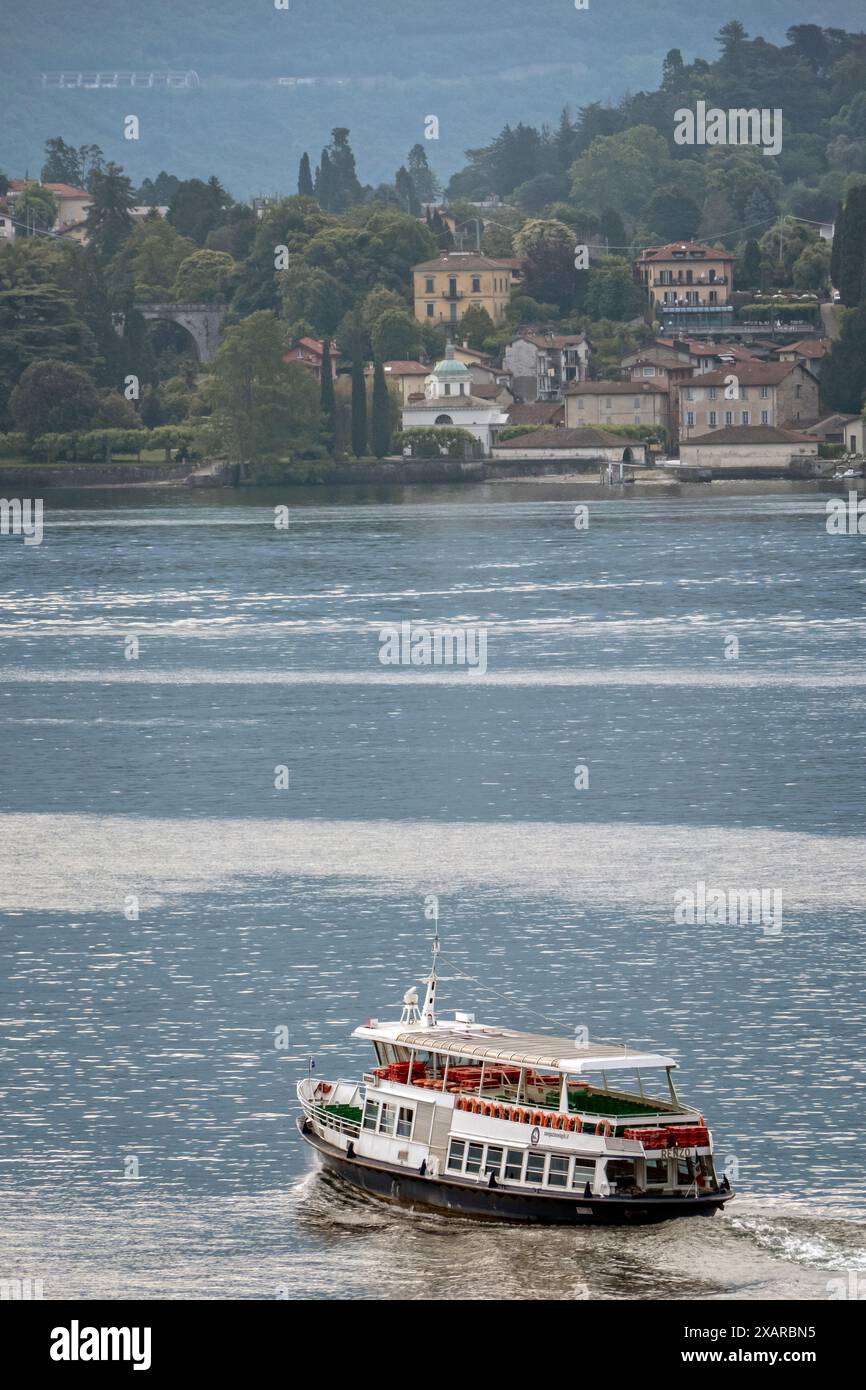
pixel 379 67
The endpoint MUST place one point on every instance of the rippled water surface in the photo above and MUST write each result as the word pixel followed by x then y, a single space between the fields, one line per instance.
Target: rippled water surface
pixel 151 781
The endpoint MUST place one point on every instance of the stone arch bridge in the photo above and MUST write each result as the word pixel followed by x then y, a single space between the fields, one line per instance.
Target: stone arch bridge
pixel 203 322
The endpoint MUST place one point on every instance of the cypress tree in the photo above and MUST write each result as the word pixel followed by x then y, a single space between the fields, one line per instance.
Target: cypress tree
pixel 325 183
pixel 380 431
pixel 326 397
pixel 305 177
pixel 359 407
pixel 852 255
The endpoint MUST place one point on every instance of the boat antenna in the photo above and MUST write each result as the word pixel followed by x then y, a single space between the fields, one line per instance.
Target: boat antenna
pixel 428 1013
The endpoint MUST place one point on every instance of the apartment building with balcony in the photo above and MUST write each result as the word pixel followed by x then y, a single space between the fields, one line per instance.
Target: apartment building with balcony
pixel 688 285
pixel 542 365
pixel 446 288
pixel 782 395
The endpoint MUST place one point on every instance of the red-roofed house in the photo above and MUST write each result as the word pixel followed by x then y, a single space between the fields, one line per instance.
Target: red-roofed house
pixel 688 285
pixel 72 203
pixel 310 352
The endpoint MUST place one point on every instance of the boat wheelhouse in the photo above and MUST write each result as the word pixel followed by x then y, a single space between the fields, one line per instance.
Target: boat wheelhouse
pixel 476 1120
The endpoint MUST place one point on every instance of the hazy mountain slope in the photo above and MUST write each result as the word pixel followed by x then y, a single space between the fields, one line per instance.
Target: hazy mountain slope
pixel 380 68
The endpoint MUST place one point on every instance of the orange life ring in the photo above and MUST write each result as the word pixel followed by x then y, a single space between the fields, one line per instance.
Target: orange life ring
pixel 603 1127
pixel 487 1109
pixel 537 1118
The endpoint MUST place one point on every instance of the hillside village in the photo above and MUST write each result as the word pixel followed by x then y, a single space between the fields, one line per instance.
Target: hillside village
pixel 347 323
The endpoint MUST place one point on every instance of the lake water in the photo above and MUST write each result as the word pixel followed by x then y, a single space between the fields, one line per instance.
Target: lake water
pixel 148 1044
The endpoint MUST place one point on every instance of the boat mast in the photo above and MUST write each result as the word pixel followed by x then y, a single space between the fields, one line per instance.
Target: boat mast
pixel 428 1013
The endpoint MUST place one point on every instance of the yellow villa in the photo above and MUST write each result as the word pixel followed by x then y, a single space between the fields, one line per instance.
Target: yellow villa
pixel 445 288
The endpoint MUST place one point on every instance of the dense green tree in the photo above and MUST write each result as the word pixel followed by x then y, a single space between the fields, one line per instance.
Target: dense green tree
pixel 305 177
pixel 611 292
pixel 843 372
pixel 53 397
pixel 395 336
pixel 158 192
pixel 407 197
pixel 198 207
pixel 673 69
pixel 851 257
pixel 476 326
pixel 359 407
pixel 62 163
pixel 203 277
pixel 314 297
pixel 621 171
pixel 35 210
pixel 146 264
pixel 261 404
pixel 547 249
pixel 424 180
pixel 108 222
pixel 380 428
pixel 671 216
pixel 749 270
pixel 41 315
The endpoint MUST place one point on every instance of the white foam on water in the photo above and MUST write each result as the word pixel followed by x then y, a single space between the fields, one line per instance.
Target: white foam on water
pixel 80 863
pixel 739 679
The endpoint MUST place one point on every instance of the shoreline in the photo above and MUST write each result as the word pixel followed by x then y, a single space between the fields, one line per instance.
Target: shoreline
pixel 394 472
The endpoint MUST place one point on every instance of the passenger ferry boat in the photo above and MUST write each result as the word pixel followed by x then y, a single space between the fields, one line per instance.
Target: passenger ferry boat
pixel 473 1120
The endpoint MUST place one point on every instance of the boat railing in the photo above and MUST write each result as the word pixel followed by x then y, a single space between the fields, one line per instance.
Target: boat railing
pixel 327 1117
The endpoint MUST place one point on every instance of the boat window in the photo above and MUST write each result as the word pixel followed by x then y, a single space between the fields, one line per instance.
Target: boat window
pixel 656 1170
pixel 455 1155
pixel 386 1119
pixel 371 1112
pixel 535 1167
pixel 514 1164
pixel 621 1171
pixel 404 1121
pixel 557 1175
pixel 473 1158
pixel 493 1161
pixel 583 1173
pixel 685 1172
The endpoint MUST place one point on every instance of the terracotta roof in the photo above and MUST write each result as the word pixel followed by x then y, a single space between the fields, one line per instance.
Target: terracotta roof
pixel 749 374
pixel 534 412
pixel 833 423
pixel 674 248
pixel 616 388
pixel 750 434
pixel 60 190
pixel 808 347
pixel 406 368
pixel 487 390
pixel 736 350
pixel 468 261
pixel 568 439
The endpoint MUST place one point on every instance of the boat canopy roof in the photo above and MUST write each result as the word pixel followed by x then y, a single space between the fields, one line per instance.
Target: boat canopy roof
pixel 518 1049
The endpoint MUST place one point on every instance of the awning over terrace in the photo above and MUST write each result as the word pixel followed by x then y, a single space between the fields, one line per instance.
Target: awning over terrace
pixel 562 1055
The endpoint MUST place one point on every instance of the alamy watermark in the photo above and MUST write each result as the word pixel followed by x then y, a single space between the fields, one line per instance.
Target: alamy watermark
pixel 735 907
pixel 22 516
pixel 416 644
pixel 737 126
pixel 846 518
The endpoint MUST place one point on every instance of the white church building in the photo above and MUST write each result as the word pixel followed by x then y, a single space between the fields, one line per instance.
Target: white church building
pixel 448 400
